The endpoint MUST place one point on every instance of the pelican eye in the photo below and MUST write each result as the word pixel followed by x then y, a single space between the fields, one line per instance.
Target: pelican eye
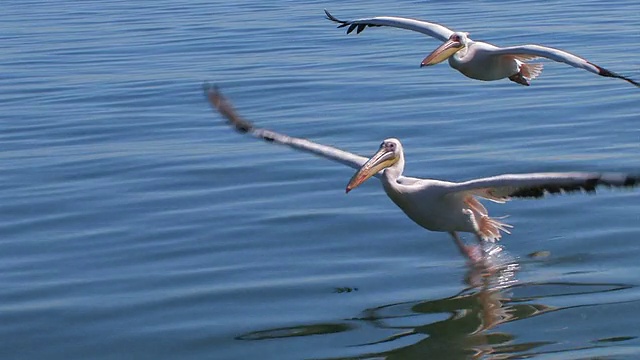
pixel 455 37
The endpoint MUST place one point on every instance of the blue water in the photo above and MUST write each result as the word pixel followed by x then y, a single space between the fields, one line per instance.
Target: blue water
pixel 135 225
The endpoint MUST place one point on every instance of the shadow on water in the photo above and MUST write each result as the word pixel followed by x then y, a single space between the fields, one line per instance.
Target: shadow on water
pixel 463 326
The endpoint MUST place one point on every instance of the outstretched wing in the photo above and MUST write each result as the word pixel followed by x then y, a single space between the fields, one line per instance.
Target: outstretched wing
pixel 503 187
pixel 561 56
pixel 431 29
pixel 224 107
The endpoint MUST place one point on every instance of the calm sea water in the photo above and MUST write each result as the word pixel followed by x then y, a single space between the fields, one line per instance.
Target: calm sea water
pixel 135 225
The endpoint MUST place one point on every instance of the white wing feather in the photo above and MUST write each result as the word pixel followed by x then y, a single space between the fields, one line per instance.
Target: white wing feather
pixel 549 53
pixel 219 102
pixel 563 57
pixel 428 28
pixel 503 187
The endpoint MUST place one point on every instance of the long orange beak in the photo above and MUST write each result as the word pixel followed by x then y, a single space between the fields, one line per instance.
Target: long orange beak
pixel 380 160
pixel 442 53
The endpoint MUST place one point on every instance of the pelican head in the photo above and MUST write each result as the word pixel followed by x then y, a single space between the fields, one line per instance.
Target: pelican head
pixel 389 154
pixel 457 41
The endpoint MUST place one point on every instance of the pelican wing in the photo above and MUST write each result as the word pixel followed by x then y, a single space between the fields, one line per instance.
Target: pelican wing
pixel 560 56
pixel 224 107
pixel 431 29
pixel 503 187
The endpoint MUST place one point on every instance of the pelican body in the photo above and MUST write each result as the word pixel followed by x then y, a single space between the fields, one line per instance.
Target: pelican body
pixel 476 59
pixel 435 205
pixel 428 202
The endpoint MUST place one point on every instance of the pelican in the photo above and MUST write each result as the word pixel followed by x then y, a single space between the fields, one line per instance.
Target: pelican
pixel 435 205
pixel 476 59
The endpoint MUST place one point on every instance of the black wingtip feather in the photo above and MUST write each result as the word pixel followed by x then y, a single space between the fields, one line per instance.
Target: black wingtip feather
pixel 224 107
pixel 331 17
pixel 631 181
pixel 357 25
pixel 589 186
pixel 335 19
pixel 607 73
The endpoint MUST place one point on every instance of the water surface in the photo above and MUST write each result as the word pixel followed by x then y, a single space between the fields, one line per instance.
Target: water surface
pixel 136 225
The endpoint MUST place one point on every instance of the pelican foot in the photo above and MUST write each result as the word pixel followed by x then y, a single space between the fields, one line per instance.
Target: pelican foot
pixel 518 78
pixel 475 255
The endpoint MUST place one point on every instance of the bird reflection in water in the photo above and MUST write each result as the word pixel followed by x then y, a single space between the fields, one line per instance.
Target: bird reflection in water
pixel 468 325
pixel 470 328
pixel 467 332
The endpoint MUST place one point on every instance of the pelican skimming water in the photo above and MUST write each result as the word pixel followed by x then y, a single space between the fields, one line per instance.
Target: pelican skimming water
pixel 476 59
pixel 436 205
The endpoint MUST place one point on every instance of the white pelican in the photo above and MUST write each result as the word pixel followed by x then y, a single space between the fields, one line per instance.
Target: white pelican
pixel 476 59
pixel 436 205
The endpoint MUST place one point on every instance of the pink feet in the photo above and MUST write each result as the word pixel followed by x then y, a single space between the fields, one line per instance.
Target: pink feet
pixel 475 254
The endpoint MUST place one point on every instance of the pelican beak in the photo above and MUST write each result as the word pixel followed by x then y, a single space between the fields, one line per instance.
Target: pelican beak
pixel 381 160
pixel 442 53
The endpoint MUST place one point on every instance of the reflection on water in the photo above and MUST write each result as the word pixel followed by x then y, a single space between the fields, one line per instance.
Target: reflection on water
pixel 463 326
pixel 315 329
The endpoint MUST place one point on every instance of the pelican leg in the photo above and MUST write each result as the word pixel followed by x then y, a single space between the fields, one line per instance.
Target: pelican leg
pixel 474 254
pixel 461 246
pixel 518 78
pixel 478 252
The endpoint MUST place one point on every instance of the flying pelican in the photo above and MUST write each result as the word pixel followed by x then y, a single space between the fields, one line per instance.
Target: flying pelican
pixel 476 59
pixel 435 205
